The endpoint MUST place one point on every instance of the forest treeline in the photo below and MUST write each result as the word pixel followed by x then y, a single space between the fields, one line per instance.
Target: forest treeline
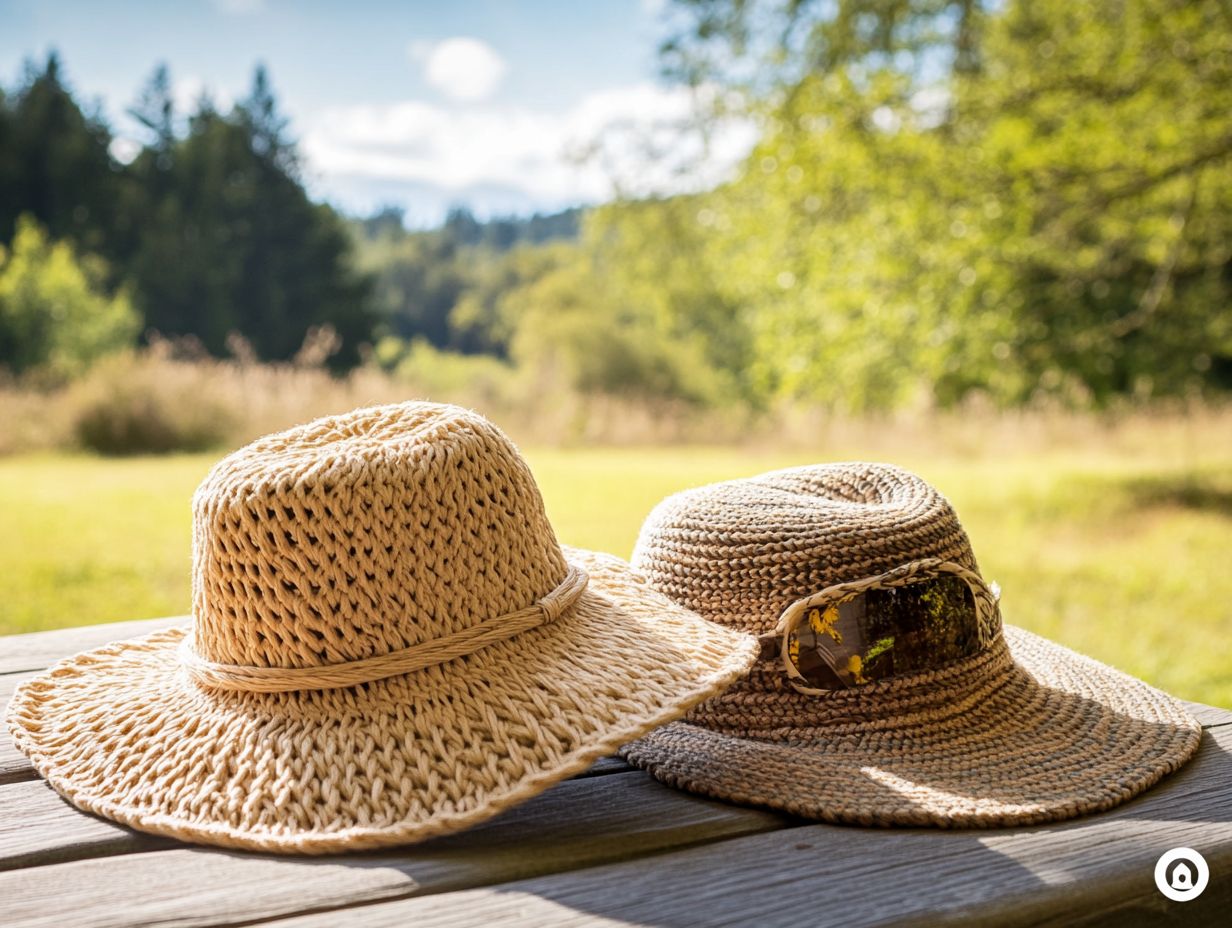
pixel 1018 201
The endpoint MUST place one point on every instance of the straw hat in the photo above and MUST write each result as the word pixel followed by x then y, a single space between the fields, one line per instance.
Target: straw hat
pixel 888 692
pixel 388 643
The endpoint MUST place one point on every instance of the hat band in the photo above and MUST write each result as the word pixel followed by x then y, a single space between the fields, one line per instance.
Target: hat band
pixel 254 679
pixel 834 638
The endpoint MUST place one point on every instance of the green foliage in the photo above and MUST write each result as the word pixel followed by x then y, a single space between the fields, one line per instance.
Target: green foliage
pixel 54 163
pixel 590 324
pixel 55 314
pixel 209 227
pixel 444 285
pixel 1026 202
pixel 230 242
pixel 1045 215
pixel 442 374
pixel 950 199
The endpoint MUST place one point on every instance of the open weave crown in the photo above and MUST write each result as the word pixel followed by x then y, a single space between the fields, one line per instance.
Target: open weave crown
pixel 739 553
pixel 360 535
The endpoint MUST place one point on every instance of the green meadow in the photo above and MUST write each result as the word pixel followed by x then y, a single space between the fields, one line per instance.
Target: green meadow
pixel 1119 549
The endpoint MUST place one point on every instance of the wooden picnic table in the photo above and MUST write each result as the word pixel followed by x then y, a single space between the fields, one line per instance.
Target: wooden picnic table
pixel 615 847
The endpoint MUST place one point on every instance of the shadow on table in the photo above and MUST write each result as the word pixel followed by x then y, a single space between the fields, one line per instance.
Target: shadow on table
pixel 1096 869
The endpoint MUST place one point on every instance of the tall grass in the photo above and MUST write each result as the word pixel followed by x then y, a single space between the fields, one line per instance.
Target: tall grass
pixel 171 397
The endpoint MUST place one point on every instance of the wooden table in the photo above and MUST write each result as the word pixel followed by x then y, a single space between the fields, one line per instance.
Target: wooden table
pixel 614 847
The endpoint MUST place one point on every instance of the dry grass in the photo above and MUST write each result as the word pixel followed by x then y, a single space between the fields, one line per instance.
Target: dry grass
pixel 170 397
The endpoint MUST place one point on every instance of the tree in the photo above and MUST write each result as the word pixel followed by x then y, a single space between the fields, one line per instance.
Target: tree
pixel 229 240
pixel 1051 217
pixel 55 164
pixel 54 312
pixel 766 48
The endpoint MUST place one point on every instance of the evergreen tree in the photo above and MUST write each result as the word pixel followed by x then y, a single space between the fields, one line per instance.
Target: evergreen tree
pixel 55 164
pixel 229 240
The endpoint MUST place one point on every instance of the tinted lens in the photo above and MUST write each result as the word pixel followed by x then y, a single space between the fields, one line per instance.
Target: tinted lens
pixel 883 633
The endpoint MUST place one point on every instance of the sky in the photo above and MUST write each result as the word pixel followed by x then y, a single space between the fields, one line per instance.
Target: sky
pixel 505 108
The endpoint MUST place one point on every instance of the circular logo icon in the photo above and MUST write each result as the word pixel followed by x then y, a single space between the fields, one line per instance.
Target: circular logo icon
pixel 1181 874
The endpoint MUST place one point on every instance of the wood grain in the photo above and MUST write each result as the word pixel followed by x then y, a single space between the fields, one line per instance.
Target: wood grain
pixel 1096 870
pixel 13 764
pixel 579 823
pixel 1209 716
pixel 38 827
pixel 613 847
pixel 19 653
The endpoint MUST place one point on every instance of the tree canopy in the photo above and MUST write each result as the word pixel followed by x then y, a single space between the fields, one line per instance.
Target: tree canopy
pixel 209 226
pixel 948 199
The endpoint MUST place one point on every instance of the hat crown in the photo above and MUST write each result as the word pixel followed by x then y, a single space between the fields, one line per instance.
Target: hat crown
pixel 740 552
pixel 357 535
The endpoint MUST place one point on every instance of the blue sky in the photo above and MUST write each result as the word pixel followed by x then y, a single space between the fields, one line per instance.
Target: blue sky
pixel 417 104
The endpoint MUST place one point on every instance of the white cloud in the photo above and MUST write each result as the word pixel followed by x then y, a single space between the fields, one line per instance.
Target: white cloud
pixel 461 68
pixel 638 140
pixel 240 7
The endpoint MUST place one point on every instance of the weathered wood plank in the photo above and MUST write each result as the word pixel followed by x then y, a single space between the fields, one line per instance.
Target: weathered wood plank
pixel 13 764
pixel 19 653
pixel 1096 870
pixel 193 887
pixel 38 827
pixel 1209 716
pixel 579 823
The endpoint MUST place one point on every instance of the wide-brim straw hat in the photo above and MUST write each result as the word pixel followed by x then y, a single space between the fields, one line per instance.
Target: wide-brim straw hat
pixel 388 643
pixel 1013 730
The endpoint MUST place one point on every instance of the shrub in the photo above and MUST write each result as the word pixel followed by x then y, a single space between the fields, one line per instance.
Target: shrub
pixel 54 314
pixel 150 404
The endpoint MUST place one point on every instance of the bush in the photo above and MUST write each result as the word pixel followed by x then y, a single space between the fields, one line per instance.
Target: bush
pixel 54 315
pixel 147 404
pixel 469 379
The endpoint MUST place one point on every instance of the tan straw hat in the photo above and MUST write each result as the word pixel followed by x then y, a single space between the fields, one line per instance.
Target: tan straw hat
pixel 388 643
pixel 888 692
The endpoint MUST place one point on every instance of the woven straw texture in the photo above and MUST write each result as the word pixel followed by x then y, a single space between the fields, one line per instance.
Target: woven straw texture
pixel 409 535
pixel 1025 731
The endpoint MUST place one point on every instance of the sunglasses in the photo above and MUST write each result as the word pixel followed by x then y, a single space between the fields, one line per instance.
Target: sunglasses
pixel 920 616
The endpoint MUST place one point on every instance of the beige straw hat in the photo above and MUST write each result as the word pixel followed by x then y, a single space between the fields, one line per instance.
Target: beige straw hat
pixel 388 643
pixel 888 692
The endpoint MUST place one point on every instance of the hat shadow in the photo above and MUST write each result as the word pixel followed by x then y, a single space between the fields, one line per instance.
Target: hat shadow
pixel 588 848
pixel 616 844
pixel 809 873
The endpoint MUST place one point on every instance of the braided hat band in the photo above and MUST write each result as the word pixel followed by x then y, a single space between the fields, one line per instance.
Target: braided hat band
pixel 256 679
pixel 958 720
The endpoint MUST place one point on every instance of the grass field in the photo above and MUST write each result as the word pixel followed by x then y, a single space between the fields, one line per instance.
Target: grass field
pixel 1117 545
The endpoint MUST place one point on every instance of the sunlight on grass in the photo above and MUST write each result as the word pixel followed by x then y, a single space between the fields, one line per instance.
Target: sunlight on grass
pixel 1121 556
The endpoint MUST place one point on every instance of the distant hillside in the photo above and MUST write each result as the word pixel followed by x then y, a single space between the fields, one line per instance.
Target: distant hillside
pixel 462 228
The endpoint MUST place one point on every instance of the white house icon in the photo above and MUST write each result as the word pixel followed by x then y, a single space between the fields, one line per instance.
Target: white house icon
pixel 1182 876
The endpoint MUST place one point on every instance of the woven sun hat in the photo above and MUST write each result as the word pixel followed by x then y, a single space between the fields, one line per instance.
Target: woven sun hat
pixel 388 643
pixel 888 692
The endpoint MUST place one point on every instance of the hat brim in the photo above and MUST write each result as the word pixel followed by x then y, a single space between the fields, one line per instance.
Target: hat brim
pixel 123 732
pixel 1058 735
